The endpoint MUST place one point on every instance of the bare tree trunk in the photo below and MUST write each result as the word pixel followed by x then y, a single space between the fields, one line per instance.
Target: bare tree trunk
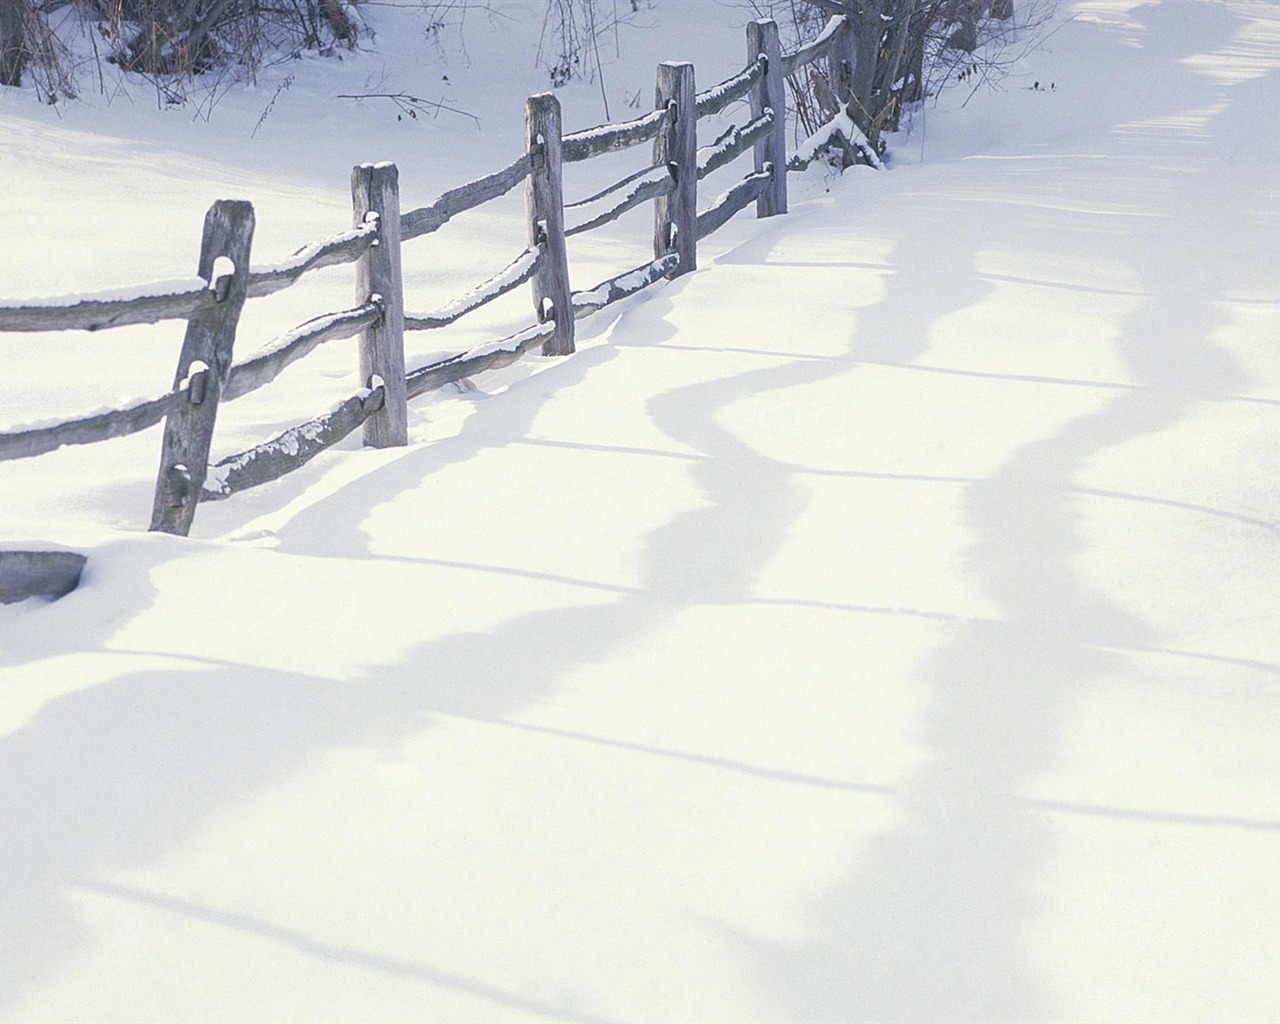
pixel 13 53
pixel 868 29
pixel 881 28
pixel 887 116
pixel 890 40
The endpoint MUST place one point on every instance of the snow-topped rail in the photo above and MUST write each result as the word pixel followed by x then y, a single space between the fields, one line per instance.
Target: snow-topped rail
pixel 211 301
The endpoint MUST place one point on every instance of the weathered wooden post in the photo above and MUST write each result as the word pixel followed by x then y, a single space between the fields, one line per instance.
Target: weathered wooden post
pixel 203 367
pixel 675 214
pixel 375 190
pixel 770 92
pixel 544 207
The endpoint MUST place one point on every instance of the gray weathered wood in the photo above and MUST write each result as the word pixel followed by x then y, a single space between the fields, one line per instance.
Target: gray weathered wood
pixel 458 200
pixel 834 141
pixel 544 208
pixel 608 292
pixel 611 138
pixel 647 184
pixel 289 348
pixel 22 444
pixel 842 55
pixel 815 49
pixel 375 190
pixel 675 215
pixel 203 367
pixel 841 134
pixel 737 198
pixel 331 252
pixel 713 100
pixel 26 574
pixel 510 277
pixel 733 143
pixel 770 94
pixel 292 449
pixel 468 364
pixel 176 300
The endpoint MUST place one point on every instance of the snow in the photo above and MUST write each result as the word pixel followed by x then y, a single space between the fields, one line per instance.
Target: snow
pixel 594 134
pixel 876 623
pixel 485 292
pixel 602 206
pixel 714 98
pixel 842 124
pixel 833 25
pixel 223 266
pixel 631 281
pixel 508 344
pixel 311 250
pixel 49 422
pixel 121 294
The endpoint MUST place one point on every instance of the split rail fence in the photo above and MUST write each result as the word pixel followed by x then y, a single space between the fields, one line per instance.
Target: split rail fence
pixel 208 375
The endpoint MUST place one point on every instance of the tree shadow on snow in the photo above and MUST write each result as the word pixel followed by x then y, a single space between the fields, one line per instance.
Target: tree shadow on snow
pixel 933 920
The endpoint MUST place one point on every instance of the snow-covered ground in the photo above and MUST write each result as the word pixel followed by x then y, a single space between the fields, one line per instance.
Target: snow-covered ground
pixel 878 623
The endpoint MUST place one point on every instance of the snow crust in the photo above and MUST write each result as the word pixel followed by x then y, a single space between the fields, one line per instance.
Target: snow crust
pixel 877 623
pixel 842 125
pixel 485 292
pixel 124 293
pixel 309 252
pixel 603 205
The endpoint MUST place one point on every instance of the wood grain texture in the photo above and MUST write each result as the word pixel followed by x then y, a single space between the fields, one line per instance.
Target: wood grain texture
pixel 675 215
pixel 770 94
pixel 736 199
pixel 26 574
pixel 628 283
pixel 331 252
pixel 301 341
pixel 290 450
pixel 734 143
pixel 629 194
pixel 22 444
pixel 544 210
pixel 458 200
pixel 468 364
pixel 713 100
pixel 611 138
pixel 93 314
pixel 482 294
pixel 203 368
pixel 375 189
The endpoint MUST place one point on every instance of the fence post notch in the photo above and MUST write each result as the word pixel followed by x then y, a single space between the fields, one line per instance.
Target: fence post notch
pixel 203 367
pixel 544 208
pixel 770 92
pixel 375 189
pixel 675 215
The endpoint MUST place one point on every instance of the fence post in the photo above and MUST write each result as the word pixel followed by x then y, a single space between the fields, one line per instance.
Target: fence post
pixel 770 92
pixel 675 215
pixel 375 189
pixel 203 367
pixel 544 208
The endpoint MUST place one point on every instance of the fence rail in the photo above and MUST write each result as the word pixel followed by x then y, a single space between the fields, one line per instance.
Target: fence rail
pixel 210 302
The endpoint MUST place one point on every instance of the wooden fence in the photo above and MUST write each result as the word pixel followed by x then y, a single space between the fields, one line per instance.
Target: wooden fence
pixel 211 303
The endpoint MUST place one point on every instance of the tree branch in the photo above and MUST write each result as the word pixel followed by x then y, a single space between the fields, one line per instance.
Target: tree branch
pixel 833 6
